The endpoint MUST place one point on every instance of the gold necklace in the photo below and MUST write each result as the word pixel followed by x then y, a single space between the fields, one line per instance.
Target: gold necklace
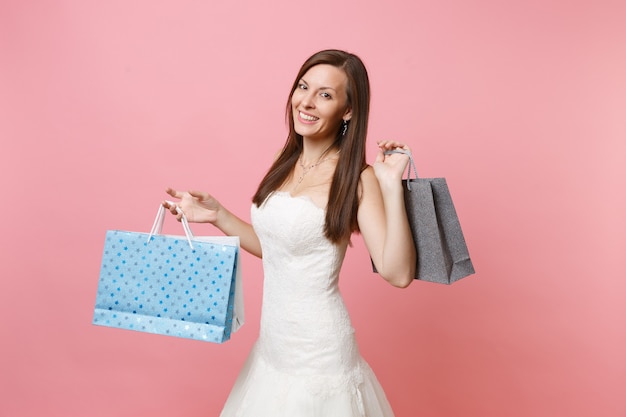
pixel 306 169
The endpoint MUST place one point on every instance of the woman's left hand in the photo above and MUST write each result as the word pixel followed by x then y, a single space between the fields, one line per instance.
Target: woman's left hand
pixel 390 167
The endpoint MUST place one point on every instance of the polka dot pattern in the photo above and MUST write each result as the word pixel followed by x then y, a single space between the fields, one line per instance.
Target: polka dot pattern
pixel 165 287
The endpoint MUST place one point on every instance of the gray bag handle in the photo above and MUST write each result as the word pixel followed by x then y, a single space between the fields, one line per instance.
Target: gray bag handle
pixel 411 164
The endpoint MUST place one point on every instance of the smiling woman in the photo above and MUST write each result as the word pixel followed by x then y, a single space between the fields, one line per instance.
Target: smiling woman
pixel 319 103
pixel 316 194
pixel 519 104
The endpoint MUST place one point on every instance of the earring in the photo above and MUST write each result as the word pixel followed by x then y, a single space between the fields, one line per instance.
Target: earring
pixel 344 127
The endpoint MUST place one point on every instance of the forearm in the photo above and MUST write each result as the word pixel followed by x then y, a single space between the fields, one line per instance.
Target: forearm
pixel 398 254
pixel 232 225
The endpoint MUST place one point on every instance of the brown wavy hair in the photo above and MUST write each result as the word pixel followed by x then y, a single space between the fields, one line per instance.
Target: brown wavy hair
pixel 343 201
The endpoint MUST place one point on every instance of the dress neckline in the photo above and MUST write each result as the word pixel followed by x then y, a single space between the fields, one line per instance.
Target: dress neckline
pixel 303 197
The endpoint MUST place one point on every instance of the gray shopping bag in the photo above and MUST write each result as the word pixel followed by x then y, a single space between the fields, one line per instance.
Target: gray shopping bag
pixel 442 254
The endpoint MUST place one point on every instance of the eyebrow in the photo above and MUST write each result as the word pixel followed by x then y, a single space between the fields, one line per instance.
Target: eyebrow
pixel 302 80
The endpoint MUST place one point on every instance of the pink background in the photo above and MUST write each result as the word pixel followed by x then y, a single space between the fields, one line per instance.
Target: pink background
pixel 520 105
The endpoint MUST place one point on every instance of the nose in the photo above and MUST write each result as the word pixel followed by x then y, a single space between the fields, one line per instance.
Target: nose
pixel 308 99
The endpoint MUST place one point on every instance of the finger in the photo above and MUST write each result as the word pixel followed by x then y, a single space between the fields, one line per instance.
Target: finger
pixel 380 156
pixel 199 195
pixel 174 193
pixel 172 207
pixel 393 145
pixel 390 144
pixel 383 144
pixel 168 205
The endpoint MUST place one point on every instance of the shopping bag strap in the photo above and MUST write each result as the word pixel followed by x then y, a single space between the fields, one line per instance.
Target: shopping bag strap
pixel 157 226
pixel 411 164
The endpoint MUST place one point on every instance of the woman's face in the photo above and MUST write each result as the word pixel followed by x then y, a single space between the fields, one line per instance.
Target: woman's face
pixel 320 102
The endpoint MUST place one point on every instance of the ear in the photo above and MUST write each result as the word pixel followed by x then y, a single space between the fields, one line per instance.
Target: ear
pixel 348 114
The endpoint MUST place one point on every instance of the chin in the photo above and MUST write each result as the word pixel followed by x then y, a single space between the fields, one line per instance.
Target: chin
pixel 303 130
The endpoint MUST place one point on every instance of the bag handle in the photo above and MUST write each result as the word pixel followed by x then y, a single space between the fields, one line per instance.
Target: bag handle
pixel 411 164
pixel 157 226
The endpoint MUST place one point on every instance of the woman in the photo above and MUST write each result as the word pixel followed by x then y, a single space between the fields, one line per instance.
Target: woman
pixel 316 194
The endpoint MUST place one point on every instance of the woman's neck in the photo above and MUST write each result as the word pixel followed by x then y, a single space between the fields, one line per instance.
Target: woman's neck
pixel 313 152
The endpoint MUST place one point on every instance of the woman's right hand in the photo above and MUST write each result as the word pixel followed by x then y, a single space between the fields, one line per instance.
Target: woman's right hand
pixel 199 207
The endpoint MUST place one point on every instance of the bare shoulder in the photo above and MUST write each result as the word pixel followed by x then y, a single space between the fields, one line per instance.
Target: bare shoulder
pixel 371 212
pixel 368 187
pixel 368 178
pixel 368 173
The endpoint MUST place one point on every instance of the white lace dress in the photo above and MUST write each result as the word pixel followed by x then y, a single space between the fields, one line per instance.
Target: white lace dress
pixel 306 362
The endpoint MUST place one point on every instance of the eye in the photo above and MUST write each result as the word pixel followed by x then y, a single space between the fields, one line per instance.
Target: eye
pixel 326 95
pixel 302 86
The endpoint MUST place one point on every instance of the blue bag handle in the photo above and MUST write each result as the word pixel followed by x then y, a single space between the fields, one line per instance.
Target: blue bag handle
pixel 157 226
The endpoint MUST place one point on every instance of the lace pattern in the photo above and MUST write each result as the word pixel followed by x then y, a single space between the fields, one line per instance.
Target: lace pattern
pixel 306 362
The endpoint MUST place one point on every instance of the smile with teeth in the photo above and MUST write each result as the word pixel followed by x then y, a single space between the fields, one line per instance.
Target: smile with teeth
pixel 307 117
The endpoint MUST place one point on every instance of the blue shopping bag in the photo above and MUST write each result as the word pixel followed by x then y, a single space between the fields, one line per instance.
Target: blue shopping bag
pixel 182 286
